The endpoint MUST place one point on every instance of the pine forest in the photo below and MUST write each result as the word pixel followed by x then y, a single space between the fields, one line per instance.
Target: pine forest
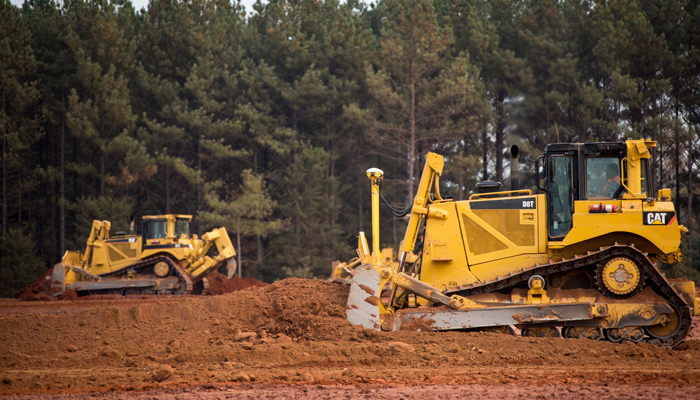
pixel 266 122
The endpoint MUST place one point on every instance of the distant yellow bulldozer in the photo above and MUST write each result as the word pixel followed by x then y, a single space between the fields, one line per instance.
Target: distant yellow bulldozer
pixel 578 261
pixel 164 259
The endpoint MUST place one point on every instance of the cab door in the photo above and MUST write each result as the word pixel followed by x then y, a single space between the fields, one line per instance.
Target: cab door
pixel 560 195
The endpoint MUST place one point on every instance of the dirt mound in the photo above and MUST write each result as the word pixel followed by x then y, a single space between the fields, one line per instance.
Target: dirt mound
pixel 39 290
pixel 290 332
pixel 218 284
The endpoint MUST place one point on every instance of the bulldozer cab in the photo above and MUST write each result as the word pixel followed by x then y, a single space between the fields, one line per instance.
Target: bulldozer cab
pixel 570 172
pixel 156 227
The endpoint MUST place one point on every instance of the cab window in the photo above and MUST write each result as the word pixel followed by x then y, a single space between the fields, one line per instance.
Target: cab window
pixel 602 177
pixel 154 229
pixel 560 199
pixel 646 179
pixel 182 227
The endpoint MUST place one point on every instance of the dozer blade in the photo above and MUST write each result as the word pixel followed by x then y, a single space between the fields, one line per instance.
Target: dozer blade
pixel 231 267
pixel 363 300
pixel 58 280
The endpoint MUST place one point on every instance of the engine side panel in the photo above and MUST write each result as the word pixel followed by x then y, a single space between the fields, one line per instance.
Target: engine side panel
pixel 444 262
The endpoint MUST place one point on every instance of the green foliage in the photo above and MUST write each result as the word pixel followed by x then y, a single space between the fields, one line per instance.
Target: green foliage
pixel 103 208
pixel 19 264
pixel 313 243
pixel 266 123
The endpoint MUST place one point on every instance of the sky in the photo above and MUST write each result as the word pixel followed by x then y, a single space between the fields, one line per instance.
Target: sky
pixel 139 4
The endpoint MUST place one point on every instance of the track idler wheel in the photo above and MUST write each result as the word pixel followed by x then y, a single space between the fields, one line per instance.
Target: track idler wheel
pixel 619 278
pixel 180 287
pixel 550 332
pixel 666 328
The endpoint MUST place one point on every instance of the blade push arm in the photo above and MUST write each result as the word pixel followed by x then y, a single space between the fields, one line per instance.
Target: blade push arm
pixel 431 173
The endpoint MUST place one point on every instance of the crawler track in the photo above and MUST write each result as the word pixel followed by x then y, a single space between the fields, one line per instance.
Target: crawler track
pixel 654 278
pixel 177 271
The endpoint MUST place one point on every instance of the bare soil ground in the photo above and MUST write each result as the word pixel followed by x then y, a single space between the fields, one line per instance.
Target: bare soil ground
pixel 291 340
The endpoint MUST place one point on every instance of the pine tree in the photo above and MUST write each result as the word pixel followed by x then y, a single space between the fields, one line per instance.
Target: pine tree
pixel 248 212
pixel 416 85
pixel 18 123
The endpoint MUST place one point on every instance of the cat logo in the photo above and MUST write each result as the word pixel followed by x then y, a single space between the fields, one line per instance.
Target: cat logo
pixel 659 218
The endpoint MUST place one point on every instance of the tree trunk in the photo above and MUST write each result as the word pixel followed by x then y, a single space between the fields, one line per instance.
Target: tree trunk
pixel 677 161
pixel 485 155
pixel 19 199
pixel 102 174
pixel 199 182
pixel 259 248
pixel 4 173
pixel 4 183
pixel 238 246
pixel 500 134
pixel 412 141
pixel 689 255
pixel 331 183
pixel 102 162
pixel 62 189
pixel 359 201
pixel 167 188
pixel 394 220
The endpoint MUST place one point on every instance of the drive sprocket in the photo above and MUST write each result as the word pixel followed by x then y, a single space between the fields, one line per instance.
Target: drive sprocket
pixel 619 278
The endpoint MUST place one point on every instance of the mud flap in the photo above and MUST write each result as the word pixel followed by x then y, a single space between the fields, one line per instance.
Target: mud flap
pixel 363 301
pixel 58 280
pixel 231 268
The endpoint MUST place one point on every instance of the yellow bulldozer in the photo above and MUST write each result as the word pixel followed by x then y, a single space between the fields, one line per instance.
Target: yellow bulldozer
pixel 578 261
pixel 164 259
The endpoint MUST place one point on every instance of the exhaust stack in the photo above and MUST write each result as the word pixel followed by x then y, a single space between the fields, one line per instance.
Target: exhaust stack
pixel 514 167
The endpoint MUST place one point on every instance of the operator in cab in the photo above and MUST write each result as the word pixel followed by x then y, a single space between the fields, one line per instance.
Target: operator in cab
pixel 612 174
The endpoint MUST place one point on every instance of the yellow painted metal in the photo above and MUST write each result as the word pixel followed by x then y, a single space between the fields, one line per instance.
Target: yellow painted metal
pixel 433 168
pixel 104 255
pixel 161 269
pixel 478 196
pixel 469 242
pixel 444 261
pixel 537 294
pixel 636 151
pixel 667 327
pixel 628 221
pixel 375 175
pixel 363 249
pixel 620 275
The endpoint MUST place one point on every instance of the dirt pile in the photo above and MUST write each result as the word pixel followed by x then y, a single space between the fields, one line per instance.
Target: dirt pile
pixel 218 284
pixel 292 332
pixel 39 290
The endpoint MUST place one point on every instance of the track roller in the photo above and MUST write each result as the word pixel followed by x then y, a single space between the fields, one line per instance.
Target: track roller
pixel 550 332
pixel 583 332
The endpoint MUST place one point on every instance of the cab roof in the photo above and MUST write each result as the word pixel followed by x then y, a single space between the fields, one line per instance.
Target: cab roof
pixel 176 216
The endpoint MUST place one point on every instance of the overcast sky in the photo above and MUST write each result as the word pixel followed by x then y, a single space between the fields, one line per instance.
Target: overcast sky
pixel 139 4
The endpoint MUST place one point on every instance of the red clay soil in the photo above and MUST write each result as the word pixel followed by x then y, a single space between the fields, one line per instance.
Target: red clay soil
pixel 218 284
pixel 39 290
pixel 291 340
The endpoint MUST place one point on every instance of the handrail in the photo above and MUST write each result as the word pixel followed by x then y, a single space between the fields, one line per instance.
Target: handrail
pixel 475 196
pixel 622 174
